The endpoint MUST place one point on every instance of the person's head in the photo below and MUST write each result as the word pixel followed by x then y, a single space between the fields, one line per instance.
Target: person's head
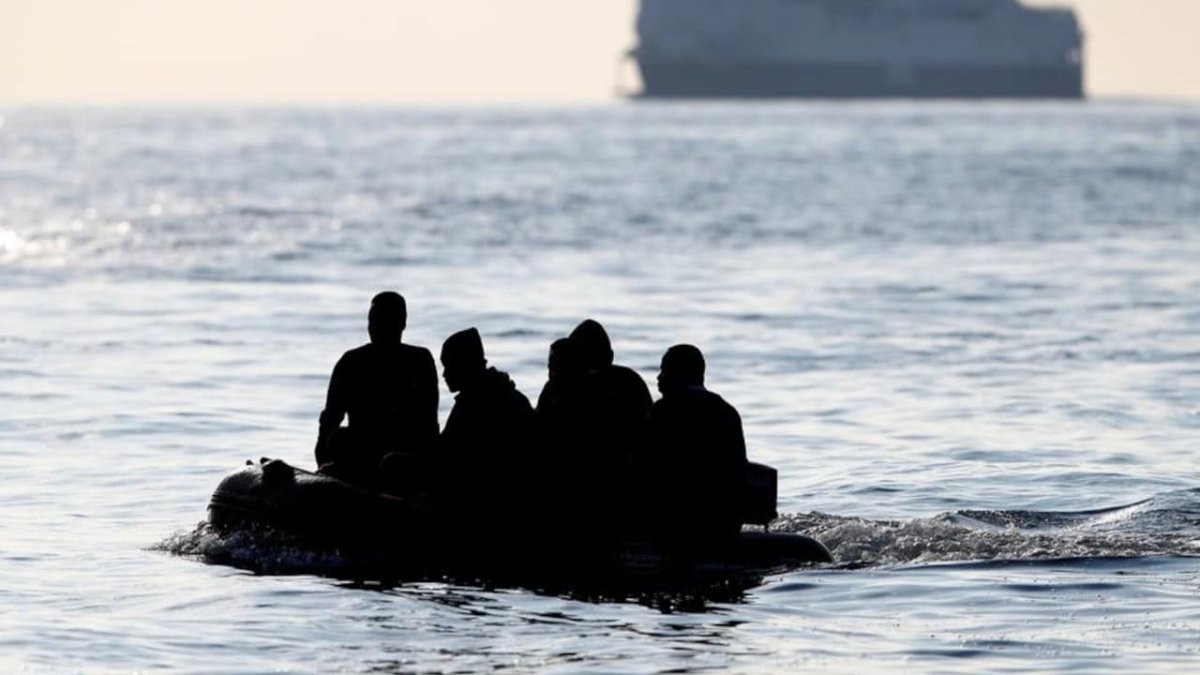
pixel 563 362
pixel 388 318
pixel 682 367
pixel 462 359
pixel 592 346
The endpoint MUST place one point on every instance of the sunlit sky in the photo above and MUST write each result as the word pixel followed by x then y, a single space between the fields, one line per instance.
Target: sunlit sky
pixel 178 51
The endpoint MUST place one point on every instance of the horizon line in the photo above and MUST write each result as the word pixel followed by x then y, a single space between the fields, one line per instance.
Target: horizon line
pixel 558 102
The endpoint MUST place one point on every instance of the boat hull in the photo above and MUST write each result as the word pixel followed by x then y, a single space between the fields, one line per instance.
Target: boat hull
pixel 323 512
pixel 663 79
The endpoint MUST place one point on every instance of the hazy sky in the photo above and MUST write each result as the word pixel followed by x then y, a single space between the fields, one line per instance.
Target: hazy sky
pixel 435 50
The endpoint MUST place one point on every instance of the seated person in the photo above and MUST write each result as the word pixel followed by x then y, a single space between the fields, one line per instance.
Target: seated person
pixel 592 413
pixel 695 456
pixel 619 392
pixel 388 391
pixel 558 402
pixel 488 443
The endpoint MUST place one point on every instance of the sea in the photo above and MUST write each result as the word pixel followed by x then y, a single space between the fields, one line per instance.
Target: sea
pixel 966 334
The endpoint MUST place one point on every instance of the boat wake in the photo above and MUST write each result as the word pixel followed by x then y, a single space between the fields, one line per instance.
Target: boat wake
pixel 1165 525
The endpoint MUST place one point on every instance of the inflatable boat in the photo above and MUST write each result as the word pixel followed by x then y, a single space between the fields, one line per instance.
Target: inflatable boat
pixel 321 511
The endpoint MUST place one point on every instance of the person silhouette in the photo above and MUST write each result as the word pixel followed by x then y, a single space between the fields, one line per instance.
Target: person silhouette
pixel 591 413
pixel 489 442
pixel 696 456
pixel 564 372
pixel 588 400
pixel 624 392
pixel 387 392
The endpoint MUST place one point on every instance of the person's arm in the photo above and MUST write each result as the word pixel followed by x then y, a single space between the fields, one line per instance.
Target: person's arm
pixel 336 405
pixel 635 405
pixel 544 399
pixel 656 493
pixel 642 400
pixel 733 460
pixel 738 442
pixel 427 399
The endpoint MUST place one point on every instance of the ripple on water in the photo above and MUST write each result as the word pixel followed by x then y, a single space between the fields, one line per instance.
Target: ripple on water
pixel 984 312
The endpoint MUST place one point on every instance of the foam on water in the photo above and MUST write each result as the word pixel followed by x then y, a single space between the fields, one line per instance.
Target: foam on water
pixel 261 550
pixel 1138 530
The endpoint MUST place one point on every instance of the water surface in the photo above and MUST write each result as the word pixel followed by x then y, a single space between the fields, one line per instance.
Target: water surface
pixel 967 335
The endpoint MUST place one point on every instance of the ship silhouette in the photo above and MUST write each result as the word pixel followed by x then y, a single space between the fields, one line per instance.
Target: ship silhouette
pixel 857 48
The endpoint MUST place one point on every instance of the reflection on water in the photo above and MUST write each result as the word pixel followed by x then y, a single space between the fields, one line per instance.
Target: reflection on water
pixel 966 336
pixel 504 625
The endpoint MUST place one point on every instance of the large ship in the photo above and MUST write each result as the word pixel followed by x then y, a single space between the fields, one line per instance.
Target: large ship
pixel 858 48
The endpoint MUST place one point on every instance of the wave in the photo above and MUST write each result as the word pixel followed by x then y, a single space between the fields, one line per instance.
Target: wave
pixel 261 550
pixel 1165 525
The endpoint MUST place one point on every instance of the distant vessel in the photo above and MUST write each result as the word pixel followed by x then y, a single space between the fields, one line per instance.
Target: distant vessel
pixel 858 48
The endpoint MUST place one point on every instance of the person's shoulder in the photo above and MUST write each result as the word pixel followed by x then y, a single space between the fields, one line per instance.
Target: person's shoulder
pixel 667 404
pixel 501 384
pixel 618 370
pixel 700 397
pixel 407 348
pixel 628 376
pixel 718 402
pixel 416 352
pixel 355 355
pixel 520 401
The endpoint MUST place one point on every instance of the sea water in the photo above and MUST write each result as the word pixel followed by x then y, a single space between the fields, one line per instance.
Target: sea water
pixel 968 336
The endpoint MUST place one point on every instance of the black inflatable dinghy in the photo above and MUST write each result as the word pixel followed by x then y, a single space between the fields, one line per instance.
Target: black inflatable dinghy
pixel 321 511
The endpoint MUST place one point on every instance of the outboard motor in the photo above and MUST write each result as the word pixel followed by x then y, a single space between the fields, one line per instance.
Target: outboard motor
pixel 767 549
pixel 761 495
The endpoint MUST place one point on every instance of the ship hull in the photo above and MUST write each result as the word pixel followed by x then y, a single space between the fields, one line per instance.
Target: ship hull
pixel 789 80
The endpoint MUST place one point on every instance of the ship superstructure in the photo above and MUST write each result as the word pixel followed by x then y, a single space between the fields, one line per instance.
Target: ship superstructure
pixel 858 48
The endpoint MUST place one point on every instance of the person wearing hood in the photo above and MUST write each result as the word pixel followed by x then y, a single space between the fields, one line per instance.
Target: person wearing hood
pixel 588 399
pixel 489 438
pixel 619 391
pixel 591 410
pixel 592 413
pixel 558 404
